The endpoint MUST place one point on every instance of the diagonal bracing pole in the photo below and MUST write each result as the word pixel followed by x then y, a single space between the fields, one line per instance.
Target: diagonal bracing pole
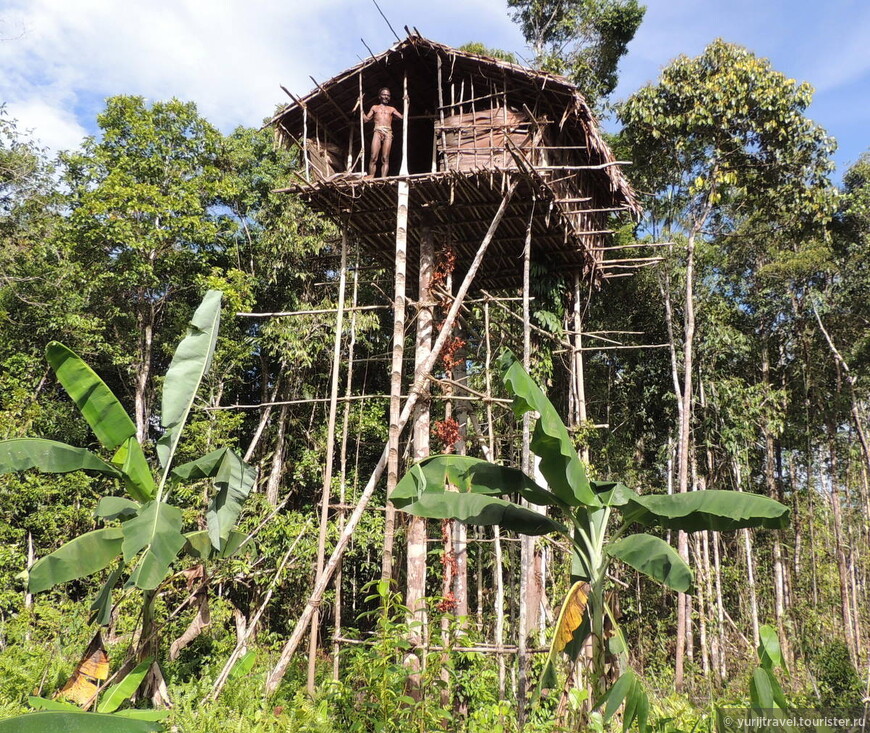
pixel 419 386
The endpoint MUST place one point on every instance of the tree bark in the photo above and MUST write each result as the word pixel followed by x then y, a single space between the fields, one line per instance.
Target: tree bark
pixel 403 193
pixel 839 547
pixel 416 555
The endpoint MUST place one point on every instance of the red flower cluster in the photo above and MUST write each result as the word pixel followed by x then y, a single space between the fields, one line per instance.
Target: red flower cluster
pixel 448 353
pixel 448 605
pixel 447 432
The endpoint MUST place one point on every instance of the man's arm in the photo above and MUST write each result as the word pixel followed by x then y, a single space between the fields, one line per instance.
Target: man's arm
pixel 397 113
pixel 368 117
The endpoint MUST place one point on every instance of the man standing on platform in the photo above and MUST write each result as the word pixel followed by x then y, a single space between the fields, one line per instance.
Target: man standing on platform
pixel 382 137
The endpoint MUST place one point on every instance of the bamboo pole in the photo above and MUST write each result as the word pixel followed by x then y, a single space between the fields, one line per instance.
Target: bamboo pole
pixel 420 379
pixel 330 452
pixel 401 266
pixel 305 142
pixel 342 495
pixel 577 362
pixel 527 547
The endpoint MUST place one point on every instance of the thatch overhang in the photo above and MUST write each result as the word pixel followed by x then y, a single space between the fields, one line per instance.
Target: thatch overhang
pixel 574 191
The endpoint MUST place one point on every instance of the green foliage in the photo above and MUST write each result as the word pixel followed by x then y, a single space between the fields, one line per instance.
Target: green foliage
pixel 374 694
pixel 586 508
pixel 581 39
pixel 494 53
pixel 725 128
pixel 839 683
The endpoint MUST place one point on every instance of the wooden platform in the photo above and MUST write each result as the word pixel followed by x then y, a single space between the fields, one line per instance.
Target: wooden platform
pixel 458 207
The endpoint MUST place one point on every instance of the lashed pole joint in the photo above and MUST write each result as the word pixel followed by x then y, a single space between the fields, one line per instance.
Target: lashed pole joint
pixel 420 380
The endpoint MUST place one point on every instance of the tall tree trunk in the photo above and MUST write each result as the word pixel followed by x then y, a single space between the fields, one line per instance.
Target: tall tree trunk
pixel 684 439
pixel 273 483
pixel 142 374
pixel 774 491
pixel 326 492
pixel 460 530
pixel 839 546
pixel 720 607
pixel 527 544
pixel 401 267
pixel 750 564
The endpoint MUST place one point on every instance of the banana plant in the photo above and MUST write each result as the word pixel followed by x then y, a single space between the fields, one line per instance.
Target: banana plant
pixel 598 520
pixel 148 535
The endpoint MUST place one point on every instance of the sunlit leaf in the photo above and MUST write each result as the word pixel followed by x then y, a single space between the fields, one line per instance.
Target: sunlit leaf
pixel 116 694
pixel 98 405
pixel 191 361
pixel 157 531
pixel 482 510
pixel 467 474
pixel 49 456
pixel 234 480
pixel 85 555
pixel 654 557
pixel 714 510
pixel 137 474
pixel 560 465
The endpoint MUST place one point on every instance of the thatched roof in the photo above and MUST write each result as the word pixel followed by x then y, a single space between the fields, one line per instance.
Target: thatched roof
pixel 333 105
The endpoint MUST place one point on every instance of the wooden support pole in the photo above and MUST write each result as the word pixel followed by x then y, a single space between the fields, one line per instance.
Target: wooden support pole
pixel 401 266
pixel 416 550
pixel 577 364
pixel 342 495
pixel 527 545
pixel 330 452
pixel 305 143
pixel 420 379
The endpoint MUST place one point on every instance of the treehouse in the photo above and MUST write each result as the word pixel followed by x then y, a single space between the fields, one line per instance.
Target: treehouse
pixel 474 129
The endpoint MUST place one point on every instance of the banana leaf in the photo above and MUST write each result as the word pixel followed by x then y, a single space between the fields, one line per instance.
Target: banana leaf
pixel 714 510
pixel 190 363
pixel 654 557
pixel 157 531
pixel 98 405
pixel 75 722
pixel 49 456
pixel 560 465
pixel 482 510
pixel 85 555
pixel 467 475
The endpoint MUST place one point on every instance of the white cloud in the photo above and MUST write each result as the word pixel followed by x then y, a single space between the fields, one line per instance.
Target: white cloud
pixel 49 126
pixel 60 59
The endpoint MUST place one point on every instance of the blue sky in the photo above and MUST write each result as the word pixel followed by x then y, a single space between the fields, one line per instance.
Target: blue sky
pixel 59 59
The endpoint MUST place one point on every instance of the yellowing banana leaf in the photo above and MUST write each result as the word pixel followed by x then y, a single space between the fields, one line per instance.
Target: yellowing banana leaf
pixel 569 621
pixel 83 684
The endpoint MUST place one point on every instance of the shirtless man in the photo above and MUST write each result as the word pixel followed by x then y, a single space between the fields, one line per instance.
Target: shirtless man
pixel 382 137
